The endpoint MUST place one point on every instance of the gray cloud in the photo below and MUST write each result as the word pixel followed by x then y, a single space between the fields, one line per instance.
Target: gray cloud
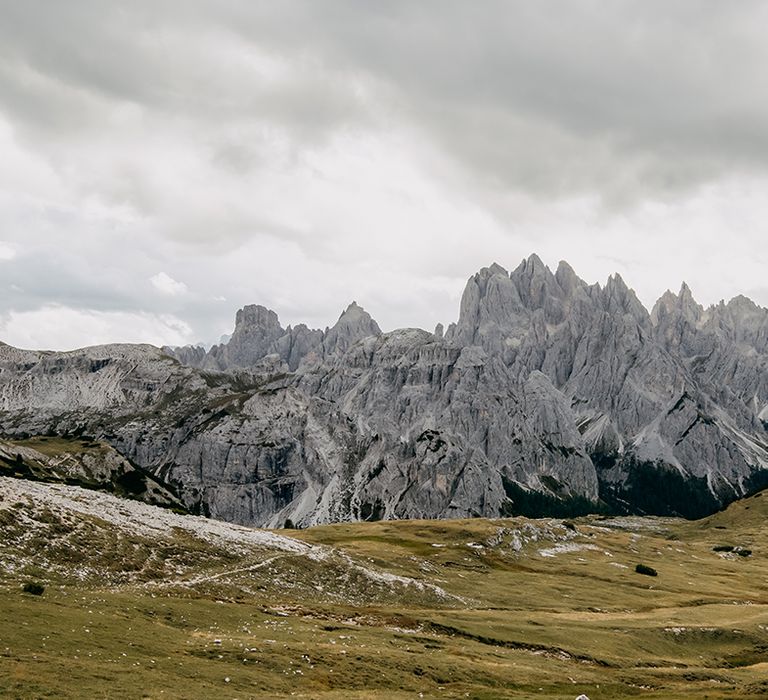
pixel 555 97
pixel 302 153
pixel 528 93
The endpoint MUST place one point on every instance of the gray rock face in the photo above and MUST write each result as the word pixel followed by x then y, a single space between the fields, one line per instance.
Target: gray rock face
pixel 679 391
pixel 547 396
pixel 354 324
pixel 258 333
pixel 109 378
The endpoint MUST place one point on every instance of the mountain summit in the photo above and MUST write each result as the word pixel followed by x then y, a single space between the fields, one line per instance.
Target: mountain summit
pixel 547 396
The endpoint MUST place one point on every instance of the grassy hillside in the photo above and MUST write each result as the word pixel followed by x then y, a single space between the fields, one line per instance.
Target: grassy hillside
pixel 142 603
pixel 82 462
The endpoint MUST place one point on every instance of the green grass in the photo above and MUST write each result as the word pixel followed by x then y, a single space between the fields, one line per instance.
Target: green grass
pixel 54 446
pixel 516 623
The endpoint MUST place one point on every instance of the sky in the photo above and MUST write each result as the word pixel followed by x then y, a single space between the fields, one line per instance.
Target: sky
pixel 165 162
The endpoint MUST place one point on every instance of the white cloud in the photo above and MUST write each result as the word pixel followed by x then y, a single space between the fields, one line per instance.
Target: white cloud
pixel 7 252
pixel 165 284
pixel 63 328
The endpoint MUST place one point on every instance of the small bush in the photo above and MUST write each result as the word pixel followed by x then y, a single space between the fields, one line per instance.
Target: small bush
pixel 33 588
pixel 289 525
pixel 645 570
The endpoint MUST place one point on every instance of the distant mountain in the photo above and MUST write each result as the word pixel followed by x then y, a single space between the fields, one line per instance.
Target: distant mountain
pixel 548 396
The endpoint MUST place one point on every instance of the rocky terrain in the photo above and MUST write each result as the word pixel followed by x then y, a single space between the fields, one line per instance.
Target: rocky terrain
pixel 91 465
pixel 548 396
pixel 108 597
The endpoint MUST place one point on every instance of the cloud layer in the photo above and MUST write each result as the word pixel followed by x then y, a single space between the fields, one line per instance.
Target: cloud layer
pixel 166 162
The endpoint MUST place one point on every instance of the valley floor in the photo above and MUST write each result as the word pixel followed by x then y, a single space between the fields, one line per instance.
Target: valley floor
pixel 142 603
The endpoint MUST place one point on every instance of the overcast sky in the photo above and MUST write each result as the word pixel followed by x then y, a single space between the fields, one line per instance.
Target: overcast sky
pixel 163 162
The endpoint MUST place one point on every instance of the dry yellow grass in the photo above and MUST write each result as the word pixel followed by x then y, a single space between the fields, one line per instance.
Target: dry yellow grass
pixel 532 609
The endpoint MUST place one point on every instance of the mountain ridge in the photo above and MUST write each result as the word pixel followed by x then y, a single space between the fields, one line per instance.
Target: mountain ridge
pixel 548 395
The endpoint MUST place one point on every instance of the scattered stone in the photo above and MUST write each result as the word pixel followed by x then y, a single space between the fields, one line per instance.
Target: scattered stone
pixel 730 549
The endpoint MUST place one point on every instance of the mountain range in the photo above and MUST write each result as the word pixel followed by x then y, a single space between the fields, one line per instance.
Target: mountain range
pixel 549 396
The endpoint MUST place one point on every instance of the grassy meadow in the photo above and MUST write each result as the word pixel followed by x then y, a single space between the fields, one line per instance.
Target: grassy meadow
pixel 508 608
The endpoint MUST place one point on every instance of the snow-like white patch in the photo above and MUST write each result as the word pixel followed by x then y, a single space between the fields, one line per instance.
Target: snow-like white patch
pixel 541 531
pixel 565 547
pixel 157 524
pixel 650 446
pixel 636 522
pixel 753 452
pixel 677 631
pixel 143 519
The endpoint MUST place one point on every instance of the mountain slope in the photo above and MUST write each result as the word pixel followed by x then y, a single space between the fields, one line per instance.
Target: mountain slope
pixel 547 396
pixel 139 601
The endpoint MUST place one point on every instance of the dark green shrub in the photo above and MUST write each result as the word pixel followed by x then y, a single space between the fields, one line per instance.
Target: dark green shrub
pixel 33 588
pixel 741 551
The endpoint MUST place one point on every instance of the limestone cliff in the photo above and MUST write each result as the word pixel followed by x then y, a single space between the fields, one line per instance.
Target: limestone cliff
pixel 548 395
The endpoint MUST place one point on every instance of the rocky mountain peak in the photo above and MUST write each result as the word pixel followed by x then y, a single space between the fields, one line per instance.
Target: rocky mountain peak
pixel 353 311
pixel 743 321
pixel 356 316
pixel 496 269
pixel 256 330
pixel 619 298
pixel 257 316
pixel 354 324
pixel 535 282
pixel 664 306
pixel 567 278
pixel 741 305
pixel 616 285
pixel 532 265
pixel 483 277
pixel 677 307
pixel 688 305
pixel 544 385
